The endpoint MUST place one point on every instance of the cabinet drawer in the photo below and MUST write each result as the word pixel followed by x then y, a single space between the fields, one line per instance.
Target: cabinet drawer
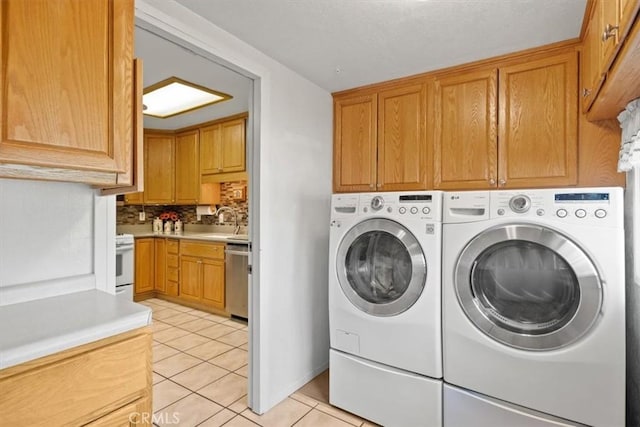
pixel 172 246
pixel 172 261
pixel 172 288
pixel 204 250
pixel 172 274
pixel 94 383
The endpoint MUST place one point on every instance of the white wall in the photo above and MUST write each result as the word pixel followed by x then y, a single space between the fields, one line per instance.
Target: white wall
pixel 53 239
pixel 290 215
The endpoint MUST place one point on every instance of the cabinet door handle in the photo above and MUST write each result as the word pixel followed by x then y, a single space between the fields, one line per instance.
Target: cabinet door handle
pixel 492 181
pixel 609 31
pixel 379 185
pixel 502 182
pixel 371 185
pixel 586 92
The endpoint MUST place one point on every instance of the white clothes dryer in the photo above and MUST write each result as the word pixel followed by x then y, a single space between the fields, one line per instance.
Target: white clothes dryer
pixel 385 306
pixel 533 299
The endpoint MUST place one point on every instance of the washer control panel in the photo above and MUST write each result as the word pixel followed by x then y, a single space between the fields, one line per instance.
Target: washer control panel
pixel 592 206
pixel 419 205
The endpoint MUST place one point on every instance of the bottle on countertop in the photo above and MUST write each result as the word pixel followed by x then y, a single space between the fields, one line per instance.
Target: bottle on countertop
pixel 168 225
pixel 157 225
pixel 177 227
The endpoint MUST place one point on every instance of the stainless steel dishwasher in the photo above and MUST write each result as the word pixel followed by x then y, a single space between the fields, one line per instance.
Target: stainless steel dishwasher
pixel 237 279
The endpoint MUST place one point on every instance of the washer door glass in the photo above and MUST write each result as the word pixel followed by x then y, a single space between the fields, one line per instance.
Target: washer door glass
pixel 528 286
pixel 381 267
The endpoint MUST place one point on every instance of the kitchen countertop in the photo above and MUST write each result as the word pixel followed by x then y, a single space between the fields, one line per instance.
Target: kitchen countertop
pixel 239 239
pixel 38 328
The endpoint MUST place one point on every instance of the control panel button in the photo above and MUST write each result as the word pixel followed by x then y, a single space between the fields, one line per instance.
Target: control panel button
pixel 520 203
pixel 377 203
pixel 389 209
pixel 426 210
pixel 600 213
pixel 365 209
pixel 562 213
pixel 402 210
pixel 581 213
pixel 414 210
pixel 540 212
pixel 500 211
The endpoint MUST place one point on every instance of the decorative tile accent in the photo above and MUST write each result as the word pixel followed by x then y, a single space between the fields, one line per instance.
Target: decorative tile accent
pixel 128 214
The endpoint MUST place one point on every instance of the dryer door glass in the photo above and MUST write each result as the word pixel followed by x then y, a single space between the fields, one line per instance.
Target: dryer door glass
pixel 528 286
pixel 381 267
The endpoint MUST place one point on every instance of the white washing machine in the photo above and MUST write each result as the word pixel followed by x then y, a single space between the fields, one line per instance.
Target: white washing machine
pixel 533 299
pixel 385 306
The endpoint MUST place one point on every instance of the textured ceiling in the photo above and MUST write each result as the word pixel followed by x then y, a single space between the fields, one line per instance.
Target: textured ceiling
pixel 341 44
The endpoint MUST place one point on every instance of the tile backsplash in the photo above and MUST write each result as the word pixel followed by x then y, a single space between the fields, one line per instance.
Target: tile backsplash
pixel 129 214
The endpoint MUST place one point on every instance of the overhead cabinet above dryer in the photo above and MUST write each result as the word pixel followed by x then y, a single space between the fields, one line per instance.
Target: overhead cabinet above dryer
pixel 510 127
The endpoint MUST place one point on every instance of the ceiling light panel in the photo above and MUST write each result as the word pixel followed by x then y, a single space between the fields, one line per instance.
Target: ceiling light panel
pixel 175 96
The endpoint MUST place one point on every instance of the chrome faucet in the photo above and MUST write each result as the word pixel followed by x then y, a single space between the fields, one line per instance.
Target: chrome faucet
pixel 236 227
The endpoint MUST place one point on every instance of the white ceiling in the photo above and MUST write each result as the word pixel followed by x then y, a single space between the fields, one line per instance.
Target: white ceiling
pixel 163 59
pixel 341 44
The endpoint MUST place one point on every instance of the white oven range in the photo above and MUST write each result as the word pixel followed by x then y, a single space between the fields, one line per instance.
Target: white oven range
pixel 124 266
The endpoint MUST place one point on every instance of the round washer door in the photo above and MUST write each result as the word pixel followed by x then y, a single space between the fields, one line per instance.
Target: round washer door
pixel 381 267
pixel 528 287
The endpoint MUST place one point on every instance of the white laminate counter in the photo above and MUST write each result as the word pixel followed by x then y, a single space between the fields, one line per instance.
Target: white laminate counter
pixel 209 237
pixel 34 329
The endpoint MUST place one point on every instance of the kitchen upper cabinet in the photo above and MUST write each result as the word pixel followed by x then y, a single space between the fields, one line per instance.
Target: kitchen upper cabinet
pixel 144 265
pixel 355 143
pixel 528 138
pixel 160 168
pixel 187 169
pixel 223 148
pixel 66 93
pixel 380 140
pixel 466 131
pixel 538 123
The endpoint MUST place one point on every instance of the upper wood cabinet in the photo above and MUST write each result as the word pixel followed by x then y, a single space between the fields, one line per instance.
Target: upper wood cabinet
pixel 66 92
pixel 380 140
pixel 466 131
pixel 187 172
pixel 160 168
pixel 538 123
pixel 513 127
pixel 608 26
pixel 355 143
pixel 223 147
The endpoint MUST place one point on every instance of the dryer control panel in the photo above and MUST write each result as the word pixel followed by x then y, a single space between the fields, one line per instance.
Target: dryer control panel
pixel 418 205
pixel 597 206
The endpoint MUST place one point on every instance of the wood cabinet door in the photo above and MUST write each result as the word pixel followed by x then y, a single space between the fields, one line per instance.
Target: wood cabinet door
pixel 233 145
pixel 190 278
pixel 161 265
pixel 402 143
pixel 160 168
pixel 355 143
pixel 211 149
pixel 590 59
pixel 134 198
pixel 66 92
pixel 213 283
pixel 144 265
pixel 187 184
pixel 466 131
pixel 609 39
pixel 135 414
pixel 538 123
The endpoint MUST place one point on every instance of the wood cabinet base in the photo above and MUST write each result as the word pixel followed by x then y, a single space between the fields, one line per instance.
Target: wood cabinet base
pixel 107 382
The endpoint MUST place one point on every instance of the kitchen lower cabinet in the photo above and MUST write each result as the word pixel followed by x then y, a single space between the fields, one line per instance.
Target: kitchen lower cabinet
pixel 173 268
pixel 104 383
pixel 202 273
pixel 160 257
pixel 144 281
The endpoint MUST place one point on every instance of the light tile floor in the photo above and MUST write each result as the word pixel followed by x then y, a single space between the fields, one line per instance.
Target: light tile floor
pixel 200 376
